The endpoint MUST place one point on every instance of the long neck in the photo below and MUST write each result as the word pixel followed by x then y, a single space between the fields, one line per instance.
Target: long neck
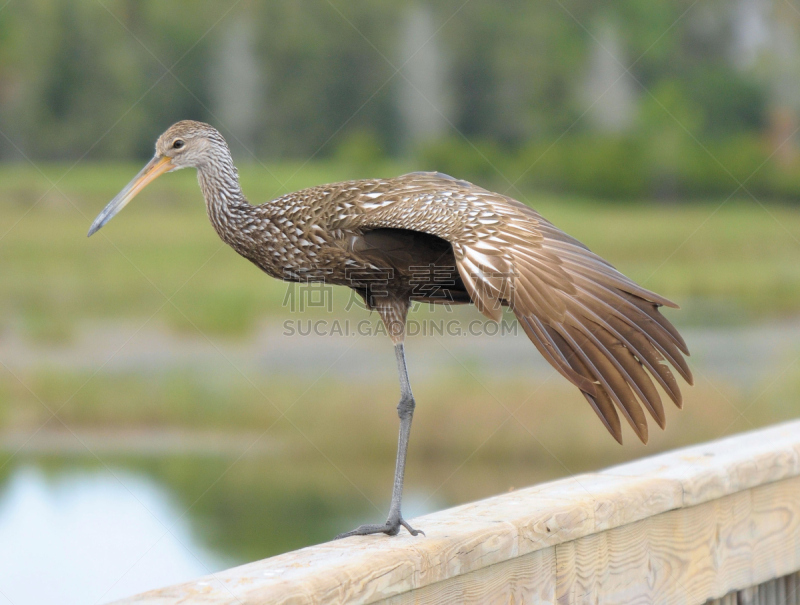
pixel 227 208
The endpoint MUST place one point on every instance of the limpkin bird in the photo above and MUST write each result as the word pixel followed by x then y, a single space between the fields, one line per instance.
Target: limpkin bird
pixel 598 329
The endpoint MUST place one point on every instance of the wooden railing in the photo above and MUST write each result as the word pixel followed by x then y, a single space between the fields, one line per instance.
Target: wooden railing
pixel 686 526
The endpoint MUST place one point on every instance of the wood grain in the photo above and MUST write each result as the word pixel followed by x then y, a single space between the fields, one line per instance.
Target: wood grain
pixel 681 527
pixel 529 579
pixel 780 591
pixel 715 469
pixel 687 555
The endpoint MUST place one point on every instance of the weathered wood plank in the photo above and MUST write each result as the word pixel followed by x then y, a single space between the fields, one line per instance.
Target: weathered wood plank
pixel 681 556
pixel 693 523
pixel 688 555
pixel 459 540
pixel 715 469
pixel 529 579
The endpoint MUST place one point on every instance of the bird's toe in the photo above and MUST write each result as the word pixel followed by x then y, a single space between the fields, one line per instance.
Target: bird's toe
pixel 390 528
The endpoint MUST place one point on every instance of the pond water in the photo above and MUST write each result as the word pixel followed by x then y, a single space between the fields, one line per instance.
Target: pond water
pixel 74 531
pixel 83 536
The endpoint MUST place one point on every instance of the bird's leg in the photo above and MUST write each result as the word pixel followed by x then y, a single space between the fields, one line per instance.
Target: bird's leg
pixel 405 410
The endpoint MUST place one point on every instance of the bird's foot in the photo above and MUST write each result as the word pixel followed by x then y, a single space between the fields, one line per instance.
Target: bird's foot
pixel 390 528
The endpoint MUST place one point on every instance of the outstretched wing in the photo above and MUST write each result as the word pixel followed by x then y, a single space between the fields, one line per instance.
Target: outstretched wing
pixel 599 329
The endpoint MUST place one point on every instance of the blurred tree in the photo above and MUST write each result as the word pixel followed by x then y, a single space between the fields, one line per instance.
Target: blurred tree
pixel 610 93
pixel 73 81
pixel 423 85
pixel 517 81
pixel 328 73
pixel 236 85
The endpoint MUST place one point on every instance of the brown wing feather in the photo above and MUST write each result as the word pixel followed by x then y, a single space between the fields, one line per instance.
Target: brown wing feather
pixel 612 325
pixel 600 401
pixel 600 330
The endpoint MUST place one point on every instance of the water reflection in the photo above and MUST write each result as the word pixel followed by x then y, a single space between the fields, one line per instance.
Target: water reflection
pixel 88 536
pixel 75 530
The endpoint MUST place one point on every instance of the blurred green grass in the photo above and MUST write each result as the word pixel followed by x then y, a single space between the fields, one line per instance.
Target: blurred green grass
pixel 721 260
pixel 463 414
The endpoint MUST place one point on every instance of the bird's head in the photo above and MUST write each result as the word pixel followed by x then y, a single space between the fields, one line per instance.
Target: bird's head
pixel 185 144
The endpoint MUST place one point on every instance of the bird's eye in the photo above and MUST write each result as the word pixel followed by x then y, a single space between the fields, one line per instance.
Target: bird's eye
pixel 178 144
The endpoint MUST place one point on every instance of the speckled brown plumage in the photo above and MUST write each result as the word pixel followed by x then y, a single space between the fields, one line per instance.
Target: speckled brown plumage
pixel 598 329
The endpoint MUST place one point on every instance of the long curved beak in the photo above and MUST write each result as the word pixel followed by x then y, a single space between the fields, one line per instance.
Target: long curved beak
pixel 154 168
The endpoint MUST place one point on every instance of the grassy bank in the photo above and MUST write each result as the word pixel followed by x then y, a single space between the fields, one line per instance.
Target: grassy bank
pixel 720 260
pixel 463 412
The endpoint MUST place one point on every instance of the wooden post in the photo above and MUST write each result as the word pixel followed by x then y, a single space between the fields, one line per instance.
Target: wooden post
pixel 686 526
